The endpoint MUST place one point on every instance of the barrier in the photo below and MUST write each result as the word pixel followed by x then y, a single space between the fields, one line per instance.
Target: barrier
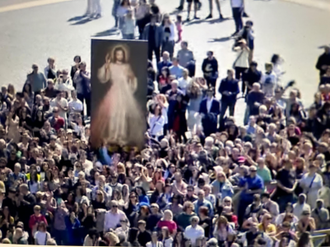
pixel 318 237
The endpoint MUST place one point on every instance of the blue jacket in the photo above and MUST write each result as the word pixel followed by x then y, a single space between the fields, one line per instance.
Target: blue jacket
pixel 74 231
pixel 230 86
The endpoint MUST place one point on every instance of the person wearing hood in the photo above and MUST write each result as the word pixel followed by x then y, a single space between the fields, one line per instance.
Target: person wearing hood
pixel 321 215
pixel 301 206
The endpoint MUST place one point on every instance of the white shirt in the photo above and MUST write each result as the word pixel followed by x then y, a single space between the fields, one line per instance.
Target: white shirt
pixel 158 244
pixel 112 220
pixel 269 83
pixel 194 233
pixel 236 3
pixel 88 166
pixel 183 83
pixel 41 237
pixel 157 125
pixel 63 103
pixel 65 86
pixel 299 208
pixel 75 105
pixel 164 114
pixel 209 104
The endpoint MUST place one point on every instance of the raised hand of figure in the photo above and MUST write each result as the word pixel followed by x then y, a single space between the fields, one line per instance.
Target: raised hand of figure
pixel 108 58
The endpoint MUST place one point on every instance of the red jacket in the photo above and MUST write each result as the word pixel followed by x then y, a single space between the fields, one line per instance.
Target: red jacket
pixel 34 220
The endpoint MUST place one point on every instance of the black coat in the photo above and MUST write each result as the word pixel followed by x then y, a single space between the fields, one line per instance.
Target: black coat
pixel 324 59
pixel 180 111
pixel 210 119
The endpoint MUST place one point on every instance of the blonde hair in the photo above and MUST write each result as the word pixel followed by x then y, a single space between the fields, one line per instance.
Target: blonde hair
pixel 6 241
pixel 163 98
pixel 169 212
pixel 121 166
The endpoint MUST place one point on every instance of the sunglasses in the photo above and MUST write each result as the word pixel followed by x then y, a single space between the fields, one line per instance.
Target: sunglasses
pixel 114 206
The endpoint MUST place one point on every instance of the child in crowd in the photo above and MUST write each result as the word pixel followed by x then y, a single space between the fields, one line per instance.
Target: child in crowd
pixel 178 24
pixel 325 92
pixel 128 28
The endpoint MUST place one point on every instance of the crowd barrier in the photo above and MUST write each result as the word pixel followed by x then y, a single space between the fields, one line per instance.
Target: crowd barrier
pixel 318 237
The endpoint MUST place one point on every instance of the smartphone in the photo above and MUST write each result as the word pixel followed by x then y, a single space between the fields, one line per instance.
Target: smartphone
pixel 59 201
pixel 42 176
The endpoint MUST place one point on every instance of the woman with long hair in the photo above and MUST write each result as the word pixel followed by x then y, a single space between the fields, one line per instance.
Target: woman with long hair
pixel 159 189
pixel 123 8
pixel 156 176
pixel 117 196
pixel 5 220
pixel 157 123
pixel 223 231
pixel 142 15
pixel 28 95
pixel 154 241
pixel 12 124
pixel 142 214
pixel 164 78
pixel 88 219
pixel 305 240
pixel 11 91
pixel 99 201
pixel 180 121
pixel 33 182
pixel 75 68
pixel 169 35
pixel 41 236
pixel 195 92
pixel 175 206
pixel 242 60
pixel 166 238
pixel 162 102
pixel 132 204
pixel 70 201
pixel 306 223
pixel 266 226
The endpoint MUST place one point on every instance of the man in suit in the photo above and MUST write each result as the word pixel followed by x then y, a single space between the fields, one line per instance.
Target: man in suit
pixel 209 110
pixel 153 33
pixel 229 90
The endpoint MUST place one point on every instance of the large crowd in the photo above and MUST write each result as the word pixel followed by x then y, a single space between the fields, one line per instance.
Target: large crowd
pixel 202 178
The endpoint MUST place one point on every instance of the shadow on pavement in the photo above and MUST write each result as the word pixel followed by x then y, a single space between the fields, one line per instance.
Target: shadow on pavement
pixel 82 21
pixel 175 12
pixel 209 21
pixel 110 32
pixel 223 39
pixel 77 18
